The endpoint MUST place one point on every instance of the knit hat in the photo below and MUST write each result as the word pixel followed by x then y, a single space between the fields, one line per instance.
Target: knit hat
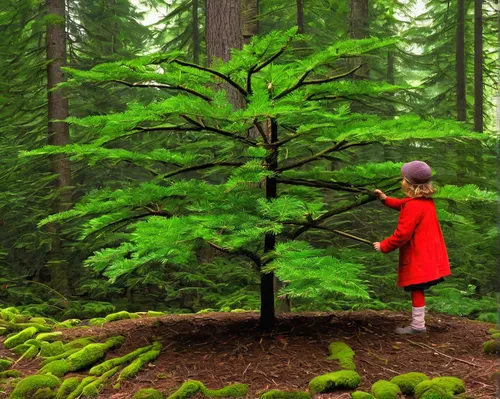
pixel 416 172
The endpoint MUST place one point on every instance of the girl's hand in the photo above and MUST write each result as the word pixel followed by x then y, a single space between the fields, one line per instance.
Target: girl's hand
pixel 381 196
pixel 376 245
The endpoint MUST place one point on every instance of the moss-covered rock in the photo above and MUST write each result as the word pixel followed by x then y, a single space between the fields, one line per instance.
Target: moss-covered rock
pixel 20 318
pixel 68 386
pixel 80 343
pixel 58 368
pixel 152 313
pixel 148 393
pixel 20 338
pixel 27 387
pixel 333 381
pixel 30 353
pixel 92 389
pixel 20 349
pixel 64 355
pixel 38 320
pixel 450 385
pixel 428 390
pixel 51 349
pixel 343 354
pixel 5 364
pixel 49 337
pixel 231 391
pixel 275 394
pixel 133 368
pixel 70 323
pixel 112 363
pixel 10 374
pixel 407 382
pixel 361 395
pixel 492 346
pixel 187 390
pixel 92 353
pixel 21 326
pixel 123 315
pixel 385 390
pixel 79 389
pixel 97 321
pixel 44 393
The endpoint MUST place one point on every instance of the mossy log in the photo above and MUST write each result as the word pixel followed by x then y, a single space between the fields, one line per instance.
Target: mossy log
pixel 59 368
pixel 343 353
pixel 92 389
pixel 20 338
pixel 79 389
pixel 68 386
pixel 133 368
pixel 344 379
pixel 92 353
pixel 112 363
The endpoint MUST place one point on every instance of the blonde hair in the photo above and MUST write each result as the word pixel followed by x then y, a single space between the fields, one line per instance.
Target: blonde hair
pixel 425 190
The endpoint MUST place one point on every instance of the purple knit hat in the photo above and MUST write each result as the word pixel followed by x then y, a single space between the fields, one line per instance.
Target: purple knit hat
pixel 416 172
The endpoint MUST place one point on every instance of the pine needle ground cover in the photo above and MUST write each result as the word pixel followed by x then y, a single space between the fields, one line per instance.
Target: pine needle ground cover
pixel 220 350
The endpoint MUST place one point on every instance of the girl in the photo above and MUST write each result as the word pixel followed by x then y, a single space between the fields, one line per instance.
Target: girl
pixel 423 260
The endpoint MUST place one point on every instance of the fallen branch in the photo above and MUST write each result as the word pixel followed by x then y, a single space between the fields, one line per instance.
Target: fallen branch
pixel 441 353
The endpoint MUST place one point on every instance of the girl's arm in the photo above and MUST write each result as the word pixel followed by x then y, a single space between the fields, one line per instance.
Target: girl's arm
pixel 394 203
pixel 408 221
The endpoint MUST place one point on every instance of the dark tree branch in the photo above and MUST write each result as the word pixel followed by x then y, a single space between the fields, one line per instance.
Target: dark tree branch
pixel 199 167
pixel 337 186
pixel 213 72
pixel 165 86
pixel 341 233
pixel 304 161
pixel 261 131
pixel 249 254
pixel 202 126
pixel 302 81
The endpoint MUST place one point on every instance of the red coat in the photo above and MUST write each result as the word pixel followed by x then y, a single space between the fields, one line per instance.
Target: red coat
pixel 422 251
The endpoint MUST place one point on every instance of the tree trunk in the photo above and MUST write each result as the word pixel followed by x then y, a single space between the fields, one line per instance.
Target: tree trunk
pixel 478 66
pixel 249 19
pixel 196 32
pixel 390 79
pixel 358 28
pixel 460 63
pixel 58 134
pixel 300 16
pixel 267 280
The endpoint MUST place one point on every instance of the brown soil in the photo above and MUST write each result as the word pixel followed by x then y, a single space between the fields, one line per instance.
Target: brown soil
pixel 219 349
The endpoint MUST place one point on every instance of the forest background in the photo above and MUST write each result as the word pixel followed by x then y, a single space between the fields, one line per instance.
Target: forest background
pixel 445 66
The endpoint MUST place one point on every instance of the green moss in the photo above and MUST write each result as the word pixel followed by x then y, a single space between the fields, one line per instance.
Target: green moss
pixel 92 353
pixel 79 389
pixel 97 321
pixel 80 343
pixel 49 337
pixel 70 323
pixel 58 368
pixel 92 389
pixel 20 349
pixel 429 390
pixel 361 395
pixel 34 342
pixel 491 346
pixel 133 368
pixel 27 387
pixel 10 374
pixel 51 349
pixel 450 384
pixel 64 355
pixel 495 335
pixel 20 337
pixel 38 320
pixel 44 393
pixel 407 382
pixel 493 331
pixel 275 394
pixel 231 391
pixel 152 313
pixel 30 353
pixel 148 394
pixel 5 364
pixel 3 331
pixel 385 390
pixel 333 381
pixel 68 386
pixel 123 315
pixel 20 319
pixel 110 364
pixel 21 326
pixel 187 390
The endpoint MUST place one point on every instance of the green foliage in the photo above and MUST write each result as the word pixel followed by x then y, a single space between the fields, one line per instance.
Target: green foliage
pixel 407 382
pixel 385 390
pixel 344 379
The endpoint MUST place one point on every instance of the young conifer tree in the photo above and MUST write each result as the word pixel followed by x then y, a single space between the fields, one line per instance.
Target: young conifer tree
pixel 248 198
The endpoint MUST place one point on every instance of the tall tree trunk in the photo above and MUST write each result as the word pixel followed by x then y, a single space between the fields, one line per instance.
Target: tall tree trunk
pixel 249 19
pixel 390 78
pixel 223 33
pixel 358 28
pixel 478 66
pixel 460 63
pixel 58 134
pixel 267 280
pixel 196 32
pixel 300 16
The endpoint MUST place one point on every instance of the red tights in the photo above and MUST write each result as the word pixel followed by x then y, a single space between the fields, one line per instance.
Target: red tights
pixel 418 299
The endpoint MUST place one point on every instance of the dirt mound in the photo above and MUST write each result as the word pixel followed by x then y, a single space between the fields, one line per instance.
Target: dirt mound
pixel 224 348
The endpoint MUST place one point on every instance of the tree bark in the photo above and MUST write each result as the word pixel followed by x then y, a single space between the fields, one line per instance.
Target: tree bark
pixel 249 19
pixel 358 28
pixel 267 313
pixel 478 66
pixel 460 63
pixel 223 33
pixel 196 32
pixel 300 16
pixel 390 78
pixel 58 134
